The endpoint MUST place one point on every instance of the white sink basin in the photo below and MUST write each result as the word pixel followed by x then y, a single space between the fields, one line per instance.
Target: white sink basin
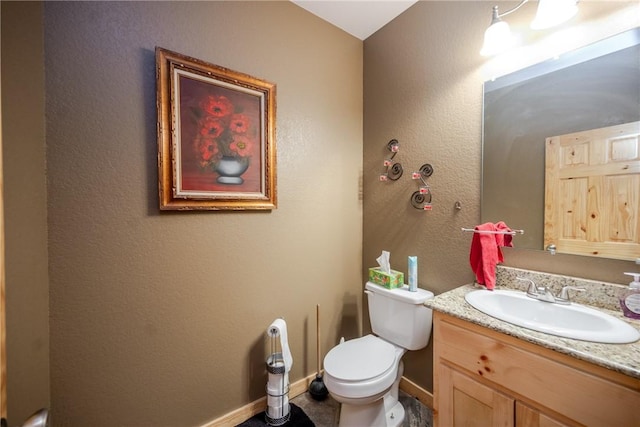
pixel 570 321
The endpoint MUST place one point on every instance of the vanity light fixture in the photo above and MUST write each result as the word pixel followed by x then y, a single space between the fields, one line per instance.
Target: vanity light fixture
pixel 554 12
pixel 498 38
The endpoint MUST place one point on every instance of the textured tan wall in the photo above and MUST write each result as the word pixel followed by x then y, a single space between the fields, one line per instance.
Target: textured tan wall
pixel 159 319
pixel 423 86
pixel 25 200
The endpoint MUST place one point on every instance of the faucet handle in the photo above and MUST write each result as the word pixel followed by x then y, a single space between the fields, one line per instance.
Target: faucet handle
pixel 533 288
pixel 564 293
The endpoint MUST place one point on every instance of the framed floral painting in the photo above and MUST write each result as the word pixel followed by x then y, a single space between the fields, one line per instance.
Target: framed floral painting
pixel 216 136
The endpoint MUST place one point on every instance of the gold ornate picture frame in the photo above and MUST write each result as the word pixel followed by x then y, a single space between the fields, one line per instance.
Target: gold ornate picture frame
pixel 216 136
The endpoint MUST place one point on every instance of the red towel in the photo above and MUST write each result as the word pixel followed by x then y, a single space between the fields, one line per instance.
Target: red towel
pixel 485 252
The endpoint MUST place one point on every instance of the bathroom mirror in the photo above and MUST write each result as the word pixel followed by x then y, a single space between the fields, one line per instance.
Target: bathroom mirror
pixel 592 87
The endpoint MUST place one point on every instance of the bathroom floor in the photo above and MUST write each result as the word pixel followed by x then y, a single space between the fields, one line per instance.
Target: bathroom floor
pixel 326 413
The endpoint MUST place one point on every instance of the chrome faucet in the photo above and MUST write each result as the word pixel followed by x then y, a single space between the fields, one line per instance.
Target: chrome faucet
pixel 563 298
pixel 538 292
pixel 543 293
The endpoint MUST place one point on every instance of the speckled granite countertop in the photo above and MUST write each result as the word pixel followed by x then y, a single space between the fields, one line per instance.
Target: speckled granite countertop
pixel 624 358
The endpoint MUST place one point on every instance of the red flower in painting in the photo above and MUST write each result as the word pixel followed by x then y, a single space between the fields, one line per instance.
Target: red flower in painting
pixel 223 130
pixel 211 126
pixel 239 123
pixel 217 106
pixel 207 148
pixel 241 145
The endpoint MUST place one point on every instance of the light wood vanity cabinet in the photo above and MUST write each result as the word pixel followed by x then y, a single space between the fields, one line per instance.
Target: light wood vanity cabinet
pixel 485 378
pixel 530 417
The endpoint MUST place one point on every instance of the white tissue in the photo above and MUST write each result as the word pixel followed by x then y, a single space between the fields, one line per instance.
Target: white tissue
pixel 383 262
pixel 278 384
pixel 279 329
pixel 277 406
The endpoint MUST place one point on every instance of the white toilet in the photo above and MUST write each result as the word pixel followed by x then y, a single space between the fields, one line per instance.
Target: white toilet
pixel 363 374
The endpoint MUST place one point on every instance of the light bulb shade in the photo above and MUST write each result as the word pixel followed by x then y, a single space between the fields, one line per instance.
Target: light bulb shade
pixel 553 12
pixel 497 39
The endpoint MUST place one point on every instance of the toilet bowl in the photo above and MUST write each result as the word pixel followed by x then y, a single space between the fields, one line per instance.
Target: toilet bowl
pixel 363 374
pixel 356 377
pixel 360 383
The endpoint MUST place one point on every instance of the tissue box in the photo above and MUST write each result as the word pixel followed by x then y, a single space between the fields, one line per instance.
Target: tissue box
pixel 389 281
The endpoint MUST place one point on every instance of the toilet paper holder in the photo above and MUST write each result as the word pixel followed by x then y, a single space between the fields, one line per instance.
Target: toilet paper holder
pixel 278 365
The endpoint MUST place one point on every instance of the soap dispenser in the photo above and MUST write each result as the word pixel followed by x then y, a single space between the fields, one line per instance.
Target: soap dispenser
pixel 630 297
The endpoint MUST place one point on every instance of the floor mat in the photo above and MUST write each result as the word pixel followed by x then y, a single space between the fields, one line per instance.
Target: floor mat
pixel 298 419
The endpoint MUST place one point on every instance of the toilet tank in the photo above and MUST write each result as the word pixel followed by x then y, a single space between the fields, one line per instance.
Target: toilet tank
pixel 399 316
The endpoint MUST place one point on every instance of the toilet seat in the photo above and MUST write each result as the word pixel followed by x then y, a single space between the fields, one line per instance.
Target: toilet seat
pixel 361 367
pixel 360 359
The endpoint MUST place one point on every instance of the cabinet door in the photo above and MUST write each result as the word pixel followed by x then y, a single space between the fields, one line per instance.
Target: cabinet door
pixel 529 417
pixel 465 402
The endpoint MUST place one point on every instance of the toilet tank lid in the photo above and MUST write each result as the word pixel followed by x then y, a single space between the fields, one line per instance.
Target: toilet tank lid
pixel 401 294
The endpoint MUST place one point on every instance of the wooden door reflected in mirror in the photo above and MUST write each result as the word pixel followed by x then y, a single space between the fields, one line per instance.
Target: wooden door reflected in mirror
pixel 592 192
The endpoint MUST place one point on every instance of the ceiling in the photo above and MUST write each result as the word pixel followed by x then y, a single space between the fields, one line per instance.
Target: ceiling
pixel 360 18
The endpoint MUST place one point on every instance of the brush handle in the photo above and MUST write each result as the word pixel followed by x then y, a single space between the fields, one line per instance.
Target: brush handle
pixel 318 337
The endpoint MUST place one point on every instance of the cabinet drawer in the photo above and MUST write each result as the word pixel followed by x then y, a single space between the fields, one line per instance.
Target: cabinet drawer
pixel 530 376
